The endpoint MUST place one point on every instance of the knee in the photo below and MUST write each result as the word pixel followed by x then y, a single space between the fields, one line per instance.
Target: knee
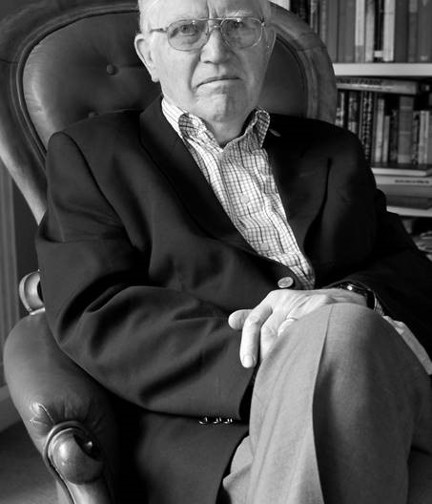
pixel 355 332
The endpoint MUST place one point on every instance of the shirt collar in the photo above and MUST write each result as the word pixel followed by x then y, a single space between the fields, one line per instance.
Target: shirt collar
pixel 188 125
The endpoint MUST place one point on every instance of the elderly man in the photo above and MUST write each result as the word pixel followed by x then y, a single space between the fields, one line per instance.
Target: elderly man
pixel 272 348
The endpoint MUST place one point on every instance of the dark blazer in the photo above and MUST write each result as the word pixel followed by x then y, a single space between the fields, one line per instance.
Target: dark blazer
pixel 141 267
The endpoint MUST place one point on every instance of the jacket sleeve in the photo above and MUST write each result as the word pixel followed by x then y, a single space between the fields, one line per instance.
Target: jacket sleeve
pixel 160 348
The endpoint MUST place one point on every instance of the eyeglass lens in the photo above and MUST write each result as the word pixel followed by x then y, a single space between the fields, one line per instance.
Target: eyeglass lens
pixel 190 34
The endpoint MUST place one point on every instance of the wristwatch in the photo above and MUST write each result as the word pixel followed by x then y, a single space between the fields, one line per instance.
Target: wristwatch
pixel 368 294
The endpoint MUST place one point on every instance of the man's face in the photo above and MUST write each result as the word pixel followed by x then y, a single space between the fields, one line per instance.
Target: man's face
pixel 216 82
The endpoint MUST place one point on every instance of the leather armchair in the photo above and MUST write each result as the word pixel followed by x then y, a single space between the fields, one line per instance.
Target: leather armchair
pixel 61 62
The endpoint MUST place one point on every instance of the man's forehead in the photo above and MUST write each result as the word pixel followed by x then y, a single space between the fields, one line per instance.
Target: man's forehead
pixel 175 9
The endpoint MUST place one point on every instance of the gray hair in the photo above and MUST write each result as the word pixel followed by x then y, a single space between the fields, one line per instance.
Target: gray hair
pixel 145 6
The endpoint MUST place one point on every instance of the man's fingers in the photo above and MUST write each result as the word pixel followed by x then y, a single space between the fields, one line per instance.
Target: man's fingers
pixel 251 335
pixel 237 319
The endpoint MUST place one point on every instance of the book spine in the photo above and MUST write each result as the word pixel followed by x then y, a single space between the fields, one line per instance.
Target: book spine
pixel 360 31
pixel 406 111
pixel 386 138
pixel 429 140
pixel 401 31
pixel 332 29
pixel 422 191
pixel 341 109
pixel 323 20
pixel 353 111
pixel 427 134
pixel 412 30
pixel 349 30
pixel 379 31
pixel 369 31
pixel 393 136
pixel 366 122
pixel 415 136
pixel 422 138
pixel 382 85
pixel 377 156
pixel 314 15
pixel 342 10
pixel 424 32
pixel 389 30
pixel 403 181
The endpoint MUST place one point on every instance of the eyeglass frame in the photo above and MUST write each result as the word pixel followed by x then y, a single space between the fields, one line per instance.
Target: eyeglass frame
pixel 210 29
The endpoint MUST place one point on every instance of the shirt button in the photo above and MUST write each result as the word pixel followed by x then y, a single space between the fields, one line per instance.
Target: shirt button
pixel 285 282
pixel 244 198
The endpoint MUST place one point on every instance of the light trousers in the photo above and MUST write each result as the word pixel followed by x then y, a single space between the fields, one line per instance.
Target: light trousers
pixel 341 414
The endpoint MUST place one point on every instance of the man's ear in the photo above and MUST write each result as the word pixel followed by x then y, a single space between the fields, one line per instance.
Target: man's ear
pixel 142 48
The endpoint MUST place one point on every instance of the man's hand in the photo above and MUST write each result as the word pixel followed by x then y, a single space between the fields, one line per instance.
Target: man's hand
pixel 262 325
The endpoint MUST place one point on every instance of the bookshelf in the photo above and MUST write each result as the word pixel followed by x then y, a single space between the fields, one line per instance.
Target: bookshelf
pixel 384 40
pixel 405 70
pixel 412 71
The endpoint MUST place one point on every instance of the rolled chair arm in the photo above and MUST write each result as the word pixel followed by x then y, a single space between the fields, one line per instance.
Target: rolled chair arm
pixel 67 414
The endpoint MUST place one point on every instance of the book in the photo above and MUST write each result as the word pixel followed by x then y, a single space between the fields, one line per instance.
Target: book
pixel 323 20
pixel 415 134
pixel 349 30
pixel 418 202
pixel 369 31
pixel 332 29
pixel 383 85
pixel 424 31
pixel 406 112
pixel 418 191
pixel 314 15
pixel 379 31
pixel 386 136
pixel 360 31
pixel 410 212
pixel 365 134
pixel 412 30
pixel 401 180
pixel 353 111
pixel 401 31
pixel 377 155
pixel 389 30
pixel 401 170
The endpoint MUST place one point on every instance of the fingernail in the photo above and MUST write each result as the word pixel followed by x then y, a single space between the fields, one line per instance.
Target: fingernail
pixel 248 361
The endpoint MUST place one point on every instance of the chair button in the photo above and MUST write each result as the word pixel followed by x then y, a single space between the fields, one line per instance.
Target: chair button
pixel 111 69
pixel 228 421
pixel 204 420
pixel 285 282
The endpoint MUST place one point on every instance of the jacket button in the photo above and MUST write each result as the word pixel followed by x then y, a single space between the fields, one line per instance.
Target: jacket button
pixel 286 282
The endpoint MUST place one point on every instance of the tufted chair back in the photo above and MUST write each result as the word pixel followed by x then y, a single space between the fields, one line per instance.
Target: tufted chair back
pixel 65 60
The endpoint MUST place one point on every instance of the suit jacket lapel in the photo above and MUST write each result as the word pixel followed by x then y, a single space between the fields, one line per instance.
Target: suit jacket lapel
pixel 171 156
pixel 301 178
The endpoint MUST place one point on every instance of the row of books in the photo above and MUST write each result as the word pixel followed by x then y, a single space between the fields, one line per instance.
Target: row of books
pixel 357 31
pixel 393 119
pixel 395 128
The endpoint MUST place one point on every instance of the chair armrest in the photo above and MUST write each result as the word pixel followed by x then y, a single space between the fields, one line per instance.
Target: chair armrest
pixel 67 414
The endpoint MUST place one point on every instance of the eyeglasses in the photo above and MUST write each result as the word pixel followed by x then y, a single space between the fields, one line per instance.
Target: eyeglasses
pixel 193 34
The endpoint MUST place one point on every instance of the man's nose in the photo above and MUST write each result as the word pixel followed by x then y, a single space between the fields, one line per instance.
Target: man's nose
pixel 215 49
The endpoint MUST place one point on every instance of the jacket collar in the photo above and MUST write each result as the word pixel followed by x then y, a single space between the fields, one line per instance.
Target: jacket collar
pixel 300 178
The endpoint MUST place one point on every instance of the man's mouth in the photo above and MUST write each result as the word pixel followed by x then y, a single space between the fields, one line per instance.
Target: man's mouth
pixel 220 78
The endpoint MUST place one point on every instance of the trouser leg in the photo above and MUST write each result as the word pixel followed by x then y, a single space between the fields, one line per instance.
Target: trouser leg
pixel 340 405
